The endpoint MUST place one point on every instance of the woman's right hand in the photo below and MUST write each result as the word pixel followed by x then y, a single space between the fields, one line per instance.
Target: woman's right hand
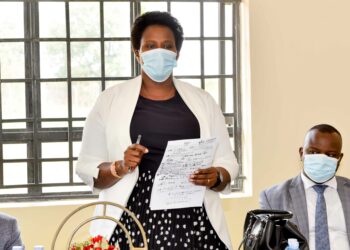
pixel 133 156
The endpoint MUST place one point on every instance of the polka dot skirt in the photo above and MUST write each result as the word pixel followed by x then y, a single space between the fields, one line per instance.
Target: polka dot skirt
pixel 187 228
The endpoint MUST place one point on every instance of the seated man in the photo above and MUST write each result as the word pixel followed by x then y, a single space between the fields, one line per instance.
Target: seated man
pixel 9 232
pixel 319 200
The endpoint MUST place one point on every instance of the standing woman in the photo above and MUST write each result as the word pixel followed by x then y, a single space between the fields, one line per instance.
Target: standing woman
pixel 160 108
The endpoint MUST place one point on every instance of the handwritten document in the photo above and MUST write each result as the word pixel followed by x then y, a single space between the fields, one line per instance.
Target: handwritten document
pixel 171 187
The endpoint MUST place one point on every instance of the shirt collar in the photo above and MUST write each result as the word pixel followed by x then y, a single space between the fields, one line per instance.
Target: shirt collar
pixel 309 183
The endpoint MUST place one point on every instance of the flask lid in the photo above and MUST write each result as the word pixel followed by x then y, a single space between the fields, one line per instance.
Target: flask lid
pixel 293 243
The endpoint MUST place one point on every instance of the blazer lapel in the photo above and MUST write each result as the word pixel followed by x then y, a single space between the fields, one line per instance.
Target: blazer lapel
pixel 343 187
pixel 122 109
pixel 298 200
pixel 188 97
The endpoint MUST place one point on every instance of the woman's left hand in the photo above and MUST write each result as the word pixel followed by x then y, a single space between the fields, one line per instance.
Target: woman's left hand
pixel 204 177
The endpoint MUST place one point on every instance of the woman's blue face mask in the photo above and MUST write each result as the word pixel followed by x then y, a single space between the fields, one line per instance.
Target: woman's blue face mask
pixel 320 167
pixel 158 64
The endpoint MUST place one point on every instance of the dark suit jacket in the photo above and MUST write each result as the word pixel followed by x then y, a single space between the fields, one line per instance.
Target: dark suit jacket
pixel 290 195
pixel 9 232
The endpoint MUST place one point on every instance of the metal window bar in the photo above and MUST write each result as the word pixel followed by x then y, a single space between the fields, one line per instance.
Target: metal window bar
pixel 34 134
pixel 1 149
pixel 238 182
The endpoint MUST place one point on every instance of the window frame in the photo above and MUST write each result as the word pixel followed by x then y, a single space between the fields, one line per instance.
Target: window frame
pixel 33 134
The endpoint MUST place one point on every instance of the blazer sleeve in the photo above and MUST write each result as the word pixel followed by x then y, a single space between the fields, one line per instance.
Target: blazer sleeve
pixel 224 156
pixel 93 150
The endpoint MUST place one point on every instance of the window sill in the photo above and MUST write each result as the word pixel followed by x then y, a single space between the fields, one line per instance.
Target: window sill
pixel 46 203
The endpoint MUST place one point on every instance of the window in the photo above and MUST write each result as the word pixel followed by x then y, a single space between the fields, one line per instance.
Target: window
pixel 57 56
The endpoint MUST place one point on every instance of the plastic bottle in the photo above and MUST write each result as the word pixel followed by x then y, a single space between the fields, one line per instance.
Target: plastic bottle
pixel 293 244
pixel 18 248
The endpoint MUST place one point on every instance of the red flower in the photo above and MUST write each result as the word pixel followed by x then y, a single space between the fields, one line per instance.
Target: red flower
pixel 93 243
pixel 98 239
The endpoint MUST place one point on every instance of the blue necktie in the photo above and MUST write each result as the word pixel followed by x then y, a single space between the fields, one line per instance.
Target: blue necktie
pixel 321 224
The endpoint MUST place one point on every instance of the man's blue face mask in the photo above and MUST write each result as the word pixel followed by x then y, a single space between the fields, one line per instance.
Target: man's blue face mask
pixel 158 64
pixel 320 167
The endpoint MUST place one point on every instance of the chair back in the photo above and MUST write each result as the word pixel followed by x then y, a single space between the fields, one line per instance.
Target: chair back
pixel 99 217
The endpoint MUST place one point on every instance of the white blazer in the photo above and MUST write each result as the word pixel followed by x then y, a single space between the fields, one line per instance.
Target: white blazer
pixel 107 135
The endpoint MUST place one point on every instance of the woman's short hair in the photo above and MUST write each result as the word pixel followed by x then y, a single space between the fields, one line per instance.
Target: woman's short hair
pixel 156 18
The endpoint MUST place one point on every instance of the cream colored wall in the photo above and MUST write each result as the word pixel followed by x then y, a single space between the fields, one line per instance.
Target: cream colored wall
pixel 300 57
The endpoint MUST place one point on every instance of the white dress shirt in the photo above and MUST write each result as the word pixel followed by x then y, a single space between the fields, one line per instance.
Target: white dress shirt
pixel 335 215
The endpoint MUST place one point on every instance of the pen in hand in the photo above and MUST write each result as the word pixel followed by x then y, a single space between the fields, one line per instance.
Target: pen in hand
pixel 138 140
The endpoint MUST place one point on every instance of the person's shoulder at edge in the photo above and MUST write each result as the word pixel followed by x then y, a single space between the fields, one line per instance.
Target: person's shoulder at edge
pixel 6 217
pixel 8 224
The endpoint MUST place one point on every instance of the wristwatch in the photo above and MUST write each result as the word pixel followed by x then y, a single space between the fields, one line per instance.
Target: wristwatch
pixel 219 179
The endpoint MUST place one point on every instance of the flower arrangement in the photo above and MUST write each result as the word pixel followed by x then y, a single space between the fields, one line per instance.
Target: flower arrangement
pixel 94 243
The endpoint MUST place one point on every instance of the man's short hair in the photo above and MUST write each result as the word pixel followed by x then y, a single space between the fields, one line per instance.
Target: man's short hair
pixel 325 128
